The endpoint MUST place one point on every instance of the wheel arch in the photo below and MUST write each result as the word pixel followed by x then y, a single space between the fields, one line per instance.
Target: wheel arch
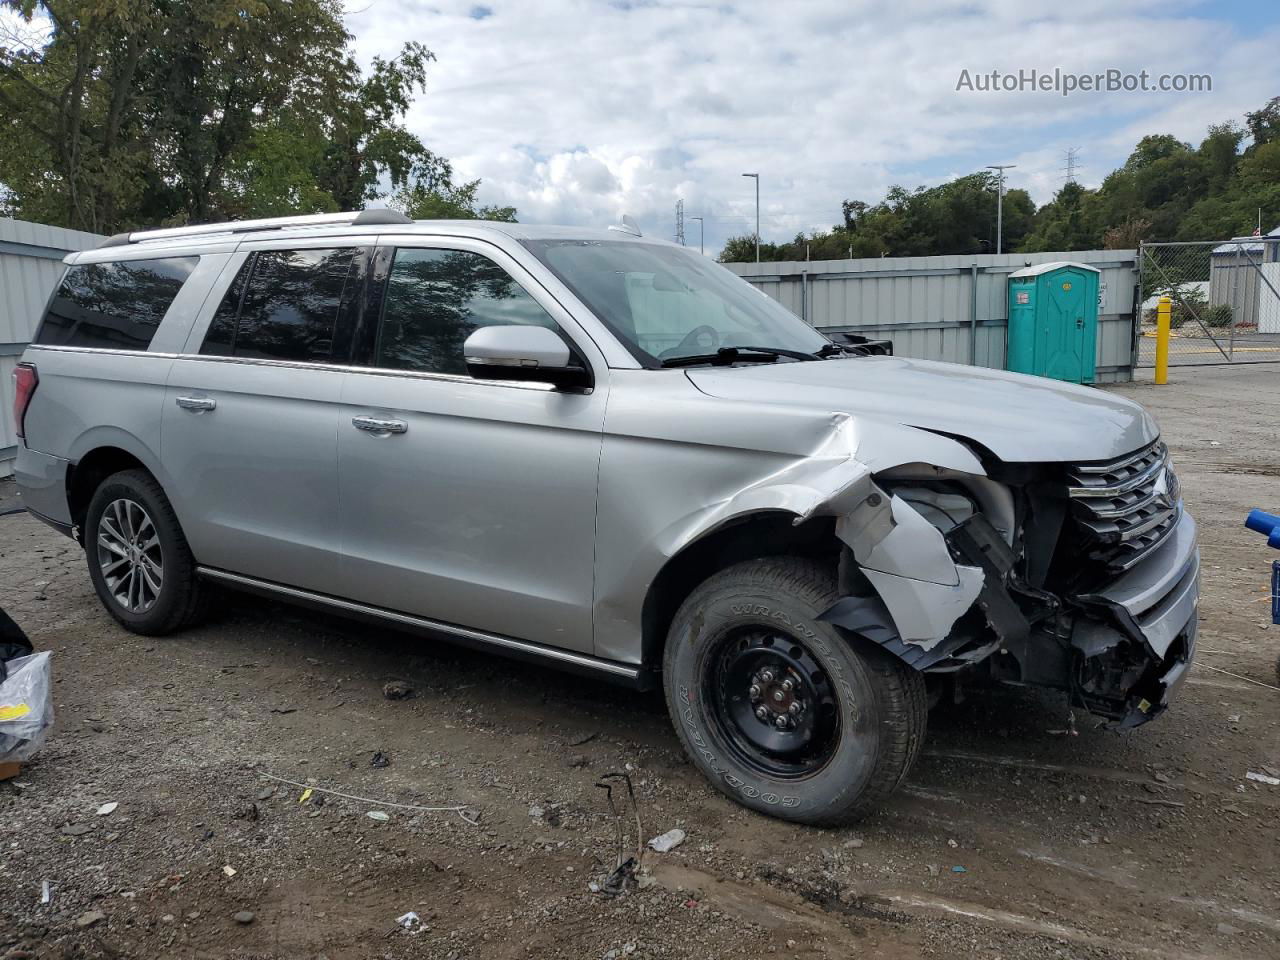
pixel 86 475
pixel 748 537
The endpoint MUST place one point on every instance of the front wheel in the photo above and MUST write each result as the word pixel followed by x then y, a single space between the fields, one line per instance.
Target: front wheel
pixel 784 713
pixel 139 560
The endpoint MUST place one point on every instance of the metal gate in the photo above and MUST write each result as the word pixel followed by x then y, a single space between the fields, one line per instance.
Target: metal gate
pixel 1226 300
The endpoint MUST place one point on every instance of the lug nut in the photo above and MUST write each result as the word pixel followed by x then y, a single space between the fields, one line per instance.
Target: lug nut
pixel 754 692
pixel 766 676
pixel 780 723
pixel 788 684
pixel 762 712
pixel 779 696
pixel 795 708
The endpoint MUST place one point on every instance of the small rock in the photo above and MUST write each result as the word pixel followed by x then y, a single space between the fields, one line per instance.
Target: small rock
pixel 536 811
pixel 397 690
pixel 578 760
pixel 76 829
pixel 266 793
pixel 89 918
pixel 854 844
pixel 107 808
pixel 167 918
pixel 1227 929
pixel 380 759
pixel 952 844
pixel 244 917
pixel 933 869
pixel 378 815
pixel 1162 777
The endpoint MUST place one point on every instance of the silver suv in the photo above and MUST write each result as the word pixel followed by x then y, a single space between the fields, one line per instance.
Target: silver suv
pixel 607 453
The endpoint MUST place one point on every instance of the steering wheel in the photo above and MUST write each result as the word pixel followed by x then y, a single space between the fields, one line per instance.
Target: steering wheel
pixel 694 339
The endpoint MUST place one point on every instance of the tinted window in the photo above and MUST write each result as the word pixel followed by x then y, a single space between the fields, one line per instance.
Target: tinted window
pixel 435 299
pixel 287 307
pixel 113 305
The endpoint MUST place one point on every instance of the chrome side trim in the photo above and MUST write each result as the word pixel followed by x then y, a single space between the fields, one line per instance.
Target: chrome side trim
pixel 54 348
pixel 370 371
pixel 507 645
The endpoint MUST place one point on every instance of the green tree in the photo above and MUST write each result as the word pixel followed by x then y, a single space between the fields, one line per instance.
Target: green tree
pixel 131 113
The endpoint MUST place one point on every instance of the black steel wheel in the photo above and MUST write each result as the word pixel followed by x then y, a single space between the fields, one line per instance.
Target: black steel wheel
pixel 787 714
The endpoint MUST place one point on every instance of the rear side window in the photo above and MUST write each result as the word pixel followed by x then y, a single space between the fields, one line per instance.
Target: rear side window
pixel 435 299
pixel 283 305
pixel 113 306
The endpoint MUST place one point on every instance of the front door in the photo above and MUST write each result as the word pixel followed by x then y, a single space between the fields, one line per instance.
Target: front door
pixel 250 421
pixel 464 501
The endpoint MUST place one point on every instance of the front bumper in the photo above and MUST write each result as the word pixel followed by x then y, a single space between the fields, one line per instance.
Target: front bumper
pixel 1135 639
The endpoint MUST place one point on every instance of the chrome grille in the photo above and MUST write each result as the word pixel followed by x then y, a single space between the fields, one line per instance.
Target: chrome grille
pixel 1120 506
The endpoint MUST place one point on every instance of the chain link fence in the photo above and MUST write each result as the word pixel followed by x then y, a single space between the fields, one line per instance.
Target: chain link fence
pixel 1226 300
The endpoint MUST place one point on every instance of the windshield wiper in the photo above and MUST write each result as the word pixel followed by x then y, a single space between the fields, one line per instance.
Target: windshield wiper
pixel 727 355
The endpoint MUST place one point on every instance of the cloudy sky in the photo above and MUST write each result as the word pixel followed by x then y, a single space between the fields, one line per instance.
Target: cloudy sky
pixel 576 111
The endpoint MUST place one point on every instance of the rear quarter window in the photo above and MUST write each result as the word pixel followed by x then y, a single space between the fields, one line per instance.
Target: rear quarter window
pixel 113 306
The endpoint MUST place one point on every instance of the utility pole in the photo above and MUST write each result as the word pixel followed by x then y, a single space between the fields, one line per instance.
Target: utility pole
pixel 680 222
pixel 1073 162
pixel 756 177
pixel 702 236
pixel 1000 168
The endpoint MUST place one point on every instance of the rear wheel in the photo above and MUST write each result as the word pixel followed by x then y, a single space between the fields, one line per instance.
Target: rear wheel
pixel 138 558
pixel 784 713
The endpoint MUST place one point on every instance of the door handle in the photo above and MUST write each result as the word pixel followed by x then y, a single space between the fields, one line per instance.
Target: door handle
pixel 197 404
pixel 378 425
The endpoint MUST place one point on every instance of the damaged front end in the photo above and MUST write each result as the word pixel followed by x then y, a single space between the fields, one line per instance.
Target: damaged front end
pixel 1086 583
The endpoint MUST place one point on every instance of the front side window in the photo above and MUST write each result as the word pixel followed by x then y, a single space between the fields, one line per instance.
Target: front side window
pixel 435 299
pixel 282 305
pixel 114 306
pixel 667 302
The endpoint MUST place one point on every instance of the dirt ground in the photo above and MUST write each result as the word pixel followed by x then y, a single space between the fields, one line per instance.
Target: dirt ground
pixel 1011 838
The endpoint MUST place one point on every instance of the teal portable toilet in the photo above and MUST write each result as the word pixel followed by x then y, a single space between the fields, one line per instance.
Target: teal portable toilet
pixel 1053 321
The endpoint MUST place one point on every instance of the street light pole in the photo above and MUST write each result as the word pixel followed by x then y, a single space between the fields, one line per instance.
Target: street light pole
pixel 701 234
pixel 1000 168
pixel 756 178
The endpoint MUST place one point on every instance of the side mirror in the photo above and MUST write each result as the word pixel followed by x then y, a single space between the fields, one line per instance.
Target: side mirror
pixel 526 353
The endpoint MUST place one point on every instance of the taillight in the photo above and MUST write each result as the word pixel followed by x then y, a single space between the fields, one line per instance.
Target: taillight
pixel 25 381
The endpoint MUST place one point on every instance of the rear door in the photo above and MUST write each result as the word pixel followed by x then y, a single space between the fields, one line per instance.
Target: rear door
pixel 479 510
pixel 251 414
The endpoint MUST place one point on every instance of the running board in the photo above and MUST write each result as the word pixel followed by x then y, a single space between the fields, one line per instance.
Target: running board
pixel 622 673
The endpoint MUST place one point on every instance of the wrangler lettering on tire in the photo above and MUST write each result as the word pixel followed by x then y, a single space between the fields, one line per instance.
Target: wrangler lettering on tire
pixel 786 714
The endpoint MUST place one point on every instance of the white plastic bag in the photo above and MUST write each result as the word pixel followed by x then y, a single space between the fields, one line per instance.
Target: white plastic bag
pixel 26 707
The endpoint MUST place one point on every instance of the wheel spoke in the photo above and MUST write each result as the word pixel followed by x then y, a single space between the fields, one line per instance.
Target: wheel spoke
pixel 111 544
pixel 152 584
pixel 112 567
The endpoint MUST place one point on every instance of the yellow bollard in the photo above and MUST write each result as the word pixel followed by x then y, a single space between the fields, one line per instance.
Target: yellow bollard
pixel 1164 311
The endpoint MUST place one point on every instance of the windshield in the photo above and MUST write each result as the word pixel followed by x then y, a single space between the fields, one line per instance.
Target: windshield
pixel 667 302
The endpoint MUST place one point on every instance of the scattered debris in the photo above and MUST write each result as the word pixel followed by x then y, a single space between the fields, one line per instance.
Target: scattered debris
pixel 380 815
pixel 668 841
pixel 1202 664
pixel 459 809
pixel 229 870
pixel 584 738
pixel 46 891
pixel 1157 802
pixel 306 795
pixel 107 808
pixel 933 869
pixel 76 829
pixel 89 918
pixel 626 867
pixel 284 710
pixel 1162 777
pixel 854 844
pixel 266 793
pixel 244 917
pixel 397 690
pixel 379 759
pixel 536 811
pixel 1263 778
pixel 578 760
pixel 1227 929
pixel 958 869
pixel 411 922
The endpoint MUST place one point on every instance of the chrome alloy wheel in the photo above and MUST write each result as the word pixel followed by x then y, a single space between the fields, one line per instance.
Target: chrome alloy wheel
pixel 129 555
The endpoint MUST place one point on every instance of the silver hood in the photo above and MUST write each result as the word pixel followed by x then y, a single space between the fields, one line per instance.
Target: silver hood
pixel 1019 418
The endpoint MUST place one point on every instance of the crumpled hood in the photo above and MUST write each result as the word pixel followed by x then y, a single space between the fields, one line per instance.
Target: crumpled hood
pixel 1019 418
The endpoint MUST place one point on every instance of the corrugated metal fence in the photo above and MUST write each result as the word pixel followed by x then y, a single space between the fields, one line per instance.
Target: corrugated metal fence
pixel 30 265
pixel 945 308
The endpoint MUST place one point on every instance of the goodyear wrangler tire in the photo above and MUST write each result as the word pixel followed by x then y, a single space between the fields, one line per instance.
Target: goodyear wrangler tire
pixel 788 715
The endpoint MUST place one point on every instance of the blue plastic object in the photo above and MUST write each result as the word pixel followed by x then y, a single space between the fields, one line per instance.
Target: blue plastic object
pixel 1269 526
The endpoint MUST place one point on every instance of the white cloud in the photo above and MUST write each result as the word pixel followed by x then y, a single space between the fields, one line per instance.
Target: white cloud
pixel 577 111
